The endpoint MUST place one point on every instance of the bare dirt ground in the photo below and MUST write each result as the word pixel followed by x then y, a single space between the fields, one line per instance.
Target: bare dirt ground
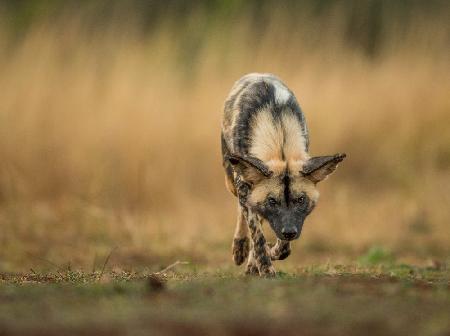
pixel 319 300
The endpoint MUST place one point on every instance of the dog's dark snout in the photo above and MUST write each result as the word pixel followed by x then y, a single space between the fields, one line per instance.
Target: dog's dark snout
pixel 289 233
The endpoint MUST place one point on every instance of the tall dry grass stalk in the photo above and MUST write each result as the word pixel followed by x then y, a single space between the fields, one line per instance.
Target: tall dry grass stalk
pixel 112 138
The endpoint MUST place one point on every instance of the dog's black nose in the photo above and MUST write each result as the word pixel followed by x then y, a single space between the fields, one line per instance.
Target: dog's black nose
pixel 289 233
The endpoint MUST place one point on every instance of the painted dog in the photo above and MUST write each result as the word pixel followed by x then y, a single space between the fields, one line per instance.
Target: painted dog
pixel 267 167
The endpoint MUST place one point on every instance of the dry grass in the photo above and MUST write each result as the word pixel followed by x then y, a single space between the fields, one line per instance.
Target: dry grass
pixel 112 139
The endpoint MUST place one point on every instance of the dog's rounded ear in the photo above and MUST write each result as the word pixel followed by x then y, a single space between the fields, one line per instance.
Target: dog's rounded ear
pixel 250 168
pixel 318 168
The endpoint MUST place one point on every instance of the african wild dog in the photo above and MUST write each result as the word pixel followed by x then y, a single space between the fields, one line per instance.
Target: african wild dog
pixel 267 166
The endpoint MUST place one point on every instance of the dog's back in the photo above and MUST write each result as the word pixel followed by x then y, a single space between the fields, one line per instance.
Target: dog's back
pixel 262 119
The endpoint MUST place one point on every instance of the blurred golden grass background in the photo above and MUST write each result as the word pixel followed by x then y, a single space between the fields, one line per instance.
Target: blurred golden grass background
pixel 109 134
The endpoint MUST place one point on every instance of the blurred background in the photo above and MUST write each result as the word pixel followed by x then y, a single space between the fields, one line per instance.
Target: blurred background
pixel 110 116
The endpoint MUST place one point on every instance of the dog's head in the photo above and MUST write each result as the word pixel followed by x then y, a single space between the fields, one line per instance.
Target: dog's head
pixel 283 199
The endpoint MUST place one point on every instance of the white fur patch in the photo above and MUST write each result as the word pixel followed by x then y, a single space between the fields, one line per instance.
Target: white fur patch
pixel 282 94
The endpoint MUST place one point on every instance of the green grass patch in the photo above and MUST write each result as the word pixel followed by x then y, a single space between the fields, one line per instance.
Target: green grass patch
pixel 377 255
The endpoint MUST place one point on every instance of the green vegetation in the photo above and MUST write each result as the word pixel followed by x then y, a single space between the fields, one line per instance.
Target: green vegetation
pixel 377 255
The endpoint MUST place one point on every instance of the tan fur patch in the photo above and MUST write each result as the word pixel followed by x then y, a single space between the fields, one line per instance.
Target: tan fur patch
pixel 294 143
pixel 252 175
pixel 301 184
pixel 230 185
pixel 276 166
pixel 279 144
pixel 267 137
pixel 260 191
pixel 241 225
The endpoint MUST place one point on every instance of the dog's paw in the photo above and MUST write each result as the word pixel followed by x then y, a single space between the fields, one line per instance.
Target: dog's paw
pixel 284 254
pixel 279 252
pixel 267 272
pixel 251 269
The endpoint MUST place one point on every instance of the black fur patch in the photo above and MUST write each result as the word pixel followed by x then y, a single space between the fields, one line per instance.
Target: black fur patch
pixel 257 95
pixel 263 260
pixel 229 104
pixel 243 189
pixel 225 163
pixel 249 161
pixel 287 192
pixel 252 269
pixel 319 162
pixel 225 150
pixel 284 253
pixel 241 248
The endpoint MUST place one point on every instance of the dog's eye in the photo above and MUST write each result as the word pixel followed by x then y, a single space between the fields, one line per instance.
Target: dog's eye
pixel 272 201
pixel 299 200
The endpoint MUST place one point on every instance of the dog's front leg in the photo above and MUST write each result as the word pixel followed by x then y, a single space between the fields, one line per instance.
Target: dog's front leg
pixel 260 251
